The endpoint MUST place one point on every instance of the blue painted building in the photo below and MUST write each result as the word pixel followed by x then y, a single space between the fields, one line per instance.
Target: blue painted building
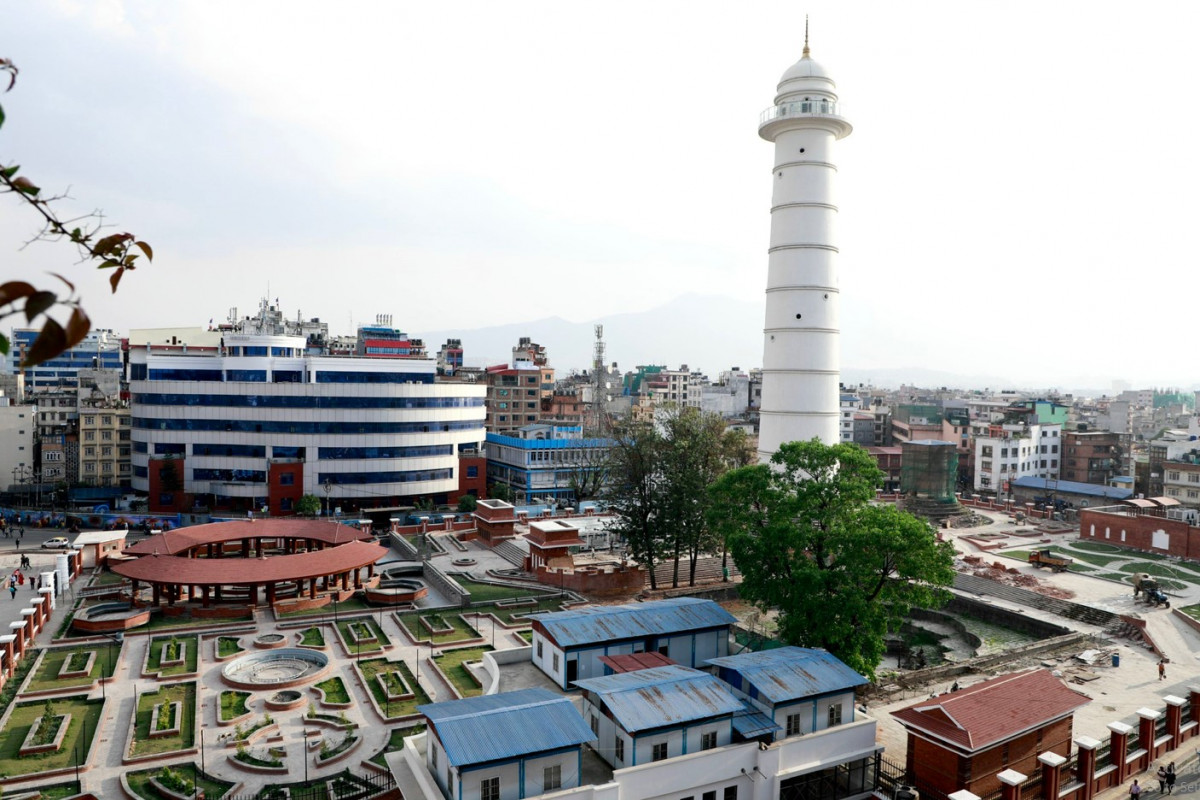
pixel 568 645
pixel 100 349
pixel 505 746
pixel 658 713
pixel 799 690
pixel 544 463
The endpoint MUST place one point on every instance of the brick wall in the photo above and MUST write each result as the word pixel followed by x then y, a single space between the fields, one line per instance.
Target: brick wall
pixel 1137 532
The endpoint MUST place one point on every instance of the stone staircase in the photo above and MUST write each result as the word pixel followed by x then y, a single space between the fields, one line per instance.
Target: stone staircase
pixel 511 552
pixel 708 570
pixel 1109 621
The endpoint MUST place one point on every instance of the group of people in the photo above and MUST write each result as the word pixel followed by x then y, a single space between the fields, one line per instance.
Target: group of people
pixel 1166 781
pixel 17 578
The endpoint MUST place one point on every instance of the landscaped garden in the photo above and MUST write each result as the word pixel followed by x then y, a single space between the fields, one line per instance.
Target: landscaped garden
pixel 362 635
pixel 228 646
pixel 490 592
pixel 350 606
pixel 174 655
pixel 63 668
pixel 64 726
pixel 312 637
pixel 371 669
pixel 150 708
pixel 172 777
pixel 335 690
pixel 437 627
pixel 452 663
pixel 233 704
pixel 395 742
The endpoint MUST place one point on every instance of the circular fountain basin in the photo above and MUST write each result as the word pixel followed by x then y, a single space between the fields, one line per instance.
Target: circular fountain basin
pixel 396 591
pixel 281 668
pixel 106 617
pixel 270 640
pixel 285 700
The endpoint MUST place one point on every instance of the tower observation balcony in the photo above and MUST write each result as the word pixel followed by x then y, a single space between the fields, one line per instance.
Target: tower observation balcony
pixel 820 108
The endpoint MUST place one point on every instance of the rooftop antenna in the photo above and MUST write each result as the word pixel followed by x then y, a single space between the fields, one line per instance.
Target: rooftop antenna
pixel 806 35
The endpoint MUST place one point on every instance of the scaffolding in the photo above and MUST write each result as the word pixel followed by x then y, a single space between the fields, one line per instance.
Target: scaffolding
pixel 929 469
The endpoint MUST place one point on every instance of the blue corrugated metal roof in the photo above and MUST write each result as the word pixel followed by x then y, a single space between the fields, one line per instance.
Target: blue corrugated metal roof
pixel 1074 487
pixel 792 673
pixel 751 722
pixel 633 620
pixel 661 696
pixel 501 726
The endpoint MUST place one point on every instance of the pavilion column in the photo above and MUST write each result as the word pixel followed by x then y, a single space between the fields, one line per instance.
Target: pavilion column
pixel 358 577
pixel 345 581
pixel 254 594
pixel 245 548
pixel 156 594
pixel 217 593
pixel 172 591
pixel 204 595
pixel 370 571
pixel 312 588
pixel 271 593
pixel 258 547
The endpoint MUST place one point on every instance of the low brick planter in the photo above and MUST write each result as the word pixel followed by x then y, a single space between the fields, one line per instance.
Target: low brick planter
pixel 78 672
pixel 175 708
pixel 171 794
pixel 259 768
pixel 406 694
pixel 27 747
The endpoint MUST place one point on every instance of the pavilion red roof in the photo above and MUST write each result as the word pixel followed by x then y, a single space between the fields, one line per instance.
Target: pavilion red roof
pixel 233 571
pixel 993 711
pixel 183 539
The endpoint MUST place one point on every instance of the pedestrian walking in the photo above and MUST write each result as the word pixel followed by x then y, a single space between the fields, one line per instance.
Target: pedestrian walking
pixel 12 591
pixel 1162 669
pixel 1171 778
pixel 1162 778
pixel 1135 791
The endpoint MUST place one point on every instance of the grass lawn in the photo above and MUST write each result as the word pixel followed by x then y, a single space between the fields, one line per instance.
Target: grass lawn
pixel 463 630
pixel 83 712
pixel 160 644
pixel 1023 555
pixel 526 635
pixel 1099 547
pixel 490 592
pixel 228 646
pixel 397 708
pixel 46 677
pixel 353 647
pixel 313 637
pixel 1168 576
pixel 1192 611
pixel 59 791
pixel 139 782
pixel 9 692
pixel 352 606
pixel 395 742
pixel 158 622
pixel 551 602
pixel 233 704
pixel 107 578
pixel 335 690
pixel 185 693
pixel 451 663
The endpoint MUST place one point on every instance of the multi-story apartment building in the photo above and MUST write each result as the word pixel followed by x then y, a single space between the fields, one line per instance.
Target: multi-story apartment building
pixel 1013 450
pixel 381 340
pixel 100 349
pixel 681 387
pixel 246 420
pixel 450 357
pixel 1181 480
pixel 104 444
pixel 513 396
pixel 1090 456
pixel 16 444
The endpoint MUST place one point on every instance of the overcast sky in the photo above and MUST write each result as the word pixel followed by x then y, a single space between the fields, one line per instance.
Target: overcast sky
pixel 1019 195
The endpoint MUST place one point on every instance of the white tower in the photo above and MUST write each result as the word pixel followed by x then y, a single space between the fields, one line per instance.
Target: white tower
pixel 801 364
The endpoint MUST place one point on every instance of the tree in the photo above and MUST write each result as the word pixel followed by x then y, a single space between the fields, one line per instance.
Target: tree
pixel 587 472
pixel 467 503
pixel 635 492
pixel 308 505
pixel 501 491
pixel 118 252
pixel 841 571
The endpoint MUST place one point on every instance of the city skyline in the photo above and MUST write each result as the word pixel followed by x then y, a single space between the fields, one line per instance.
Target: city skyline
pixel 480 166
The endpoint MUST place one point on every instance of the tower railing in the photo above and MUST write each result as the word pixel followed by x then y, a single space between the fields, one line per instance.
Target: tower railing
pixel 800 108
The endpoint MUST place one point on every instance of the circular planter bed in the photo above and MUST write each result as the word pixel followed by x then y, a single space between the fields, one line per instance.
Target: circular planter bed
pixel 270 640
pixel 285 700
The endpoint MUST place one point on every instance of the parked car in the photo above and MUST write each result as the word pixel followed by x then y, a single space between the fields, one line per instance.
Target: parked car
pixel 57 543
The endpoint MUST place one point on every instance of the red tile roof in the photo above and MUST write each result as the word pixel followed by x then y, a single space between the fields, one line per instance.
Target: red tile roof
pixel 234 571
pixel 183 539
pixel 993 711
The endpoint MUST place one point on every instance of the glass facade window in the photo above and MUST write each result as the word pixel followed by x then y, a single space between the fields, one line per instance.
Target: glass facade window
pixel 401 476
pixel 185 375
pixel 281 351
pixel 246 375
pixel 350 376
pixel 287 376
pixel 245 450
pixel 239 475
pixel 384 452
pixel 287 452
pixel 271 401
pixel 140 472
pixel 254 351
pixel 141 447
pixel 169 449
pixel 274 426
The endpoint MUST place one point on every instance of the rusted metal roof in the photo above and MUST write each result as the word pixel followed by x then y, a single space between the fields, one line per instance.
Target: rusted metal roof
pixel 507 725
pixel 751 722
pixel 789 673
pixel 632 662
pixel 661 696
pixel 595 624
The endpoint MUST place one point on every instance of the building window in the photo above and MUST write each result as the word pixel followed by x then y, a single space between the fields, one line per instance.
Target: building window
pixel 540 643
pixel 287 479
pixel 554 664
pixel 489 789
pixel 793 724
pixel 595 723
pixel 472 471
pixel 730 793
pixel 552 778
pixel 619 748
pixel 1194 477
pixel 433 757
pixel 709 795
pixel 708 741
pixel 835 715
pixel 659 752
pixel 1173 475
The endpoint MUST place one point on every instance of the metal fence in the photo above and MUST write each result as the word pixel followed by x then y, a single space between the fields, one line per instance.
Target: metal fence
pixel 1104 755
pixel 344 786
pixel 890 777
pixel 1031 789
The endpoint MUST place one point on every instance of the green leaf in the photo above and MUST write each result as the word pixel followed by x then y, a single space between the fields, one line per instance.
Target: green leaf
pixel 1 116
pixel 49 343
pixel 25 185
pixel 3 344
pixel 37 303
pixel 8 172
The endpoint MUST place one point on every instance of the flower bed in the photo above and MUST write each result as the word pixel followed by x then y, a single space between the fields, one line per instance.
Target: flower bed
pixel 165 719
pixel 171 783
pixel 394 687
pixel 78 664
pixel 45 735
pixel 435 624
pixel 328 755
pixel 361 633
pixel 232 707
pixel 228 647
pixel 312 637
pixel 142 744
pixel 333 693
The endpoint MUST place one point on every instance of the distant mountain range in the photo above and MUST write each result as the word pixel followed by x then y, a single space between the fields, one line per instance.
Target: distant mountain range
pixel 707 332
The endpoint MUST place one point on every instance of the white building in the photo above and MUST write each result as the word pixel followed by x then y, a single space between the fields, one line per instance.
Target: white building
pixel 16 442
pixel 801 364
pixel 232 414
pixel 1019 451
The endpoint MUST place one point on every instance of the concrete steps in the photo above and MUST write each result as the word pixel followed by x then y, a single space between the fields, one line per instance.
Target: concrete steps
pixel 1052 605
pixel 511 552
pixel 708 570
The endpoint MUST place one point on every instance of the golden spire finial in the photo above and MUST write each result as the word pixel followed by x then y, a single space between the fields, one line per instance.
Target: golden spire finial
pixel 806 35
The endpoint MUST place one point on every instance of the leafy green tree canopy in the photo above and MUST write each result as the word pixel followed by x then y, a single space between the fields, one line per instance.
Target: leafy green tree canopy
pixel 308 505
pixel 466 503
pixel 841 571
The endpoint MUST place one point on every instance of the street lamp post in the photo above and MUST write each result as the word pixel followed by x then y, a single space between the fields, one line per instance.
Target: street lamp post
pixel 328 487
